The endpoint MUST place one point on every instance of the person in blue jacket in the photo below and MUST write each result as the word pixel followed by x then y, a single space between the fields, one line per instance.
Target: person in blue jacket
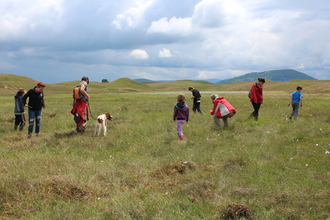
pixel 296 99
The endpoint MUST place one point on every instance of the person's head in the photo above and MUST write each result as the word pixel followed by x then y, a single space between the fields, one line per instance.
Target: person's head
pixel 85 78
pixel 181 98
pixel 21 91
pixel 261 81
pixel 299 88
pixel 40 86
pixel 190 88
pixel 214 97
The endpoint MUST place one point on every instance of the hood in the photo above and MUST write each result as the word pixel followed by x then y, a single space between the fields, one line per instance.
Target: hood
pixel 181 105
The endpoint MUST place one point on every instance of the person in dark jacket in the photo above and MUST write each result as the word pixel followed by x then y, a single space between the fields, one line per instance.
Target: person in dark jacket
pixel 257 97
pixel 19 110
pixel 181 114
pixel 35 105
pixel 196 96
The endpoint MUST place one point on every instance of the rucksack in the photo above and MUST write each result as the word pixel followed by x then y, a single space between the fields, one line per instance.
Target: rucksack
pixel 76 92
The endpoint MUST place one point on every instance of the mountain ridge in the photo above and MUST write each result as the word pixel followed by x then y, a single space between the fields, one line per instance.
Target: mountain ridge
pixel 283 75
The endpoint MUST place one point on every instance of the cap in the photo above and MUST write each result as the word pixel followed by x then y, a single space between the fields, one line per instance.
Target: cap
pixel 85 78
pixel 41 84
pixel 21 90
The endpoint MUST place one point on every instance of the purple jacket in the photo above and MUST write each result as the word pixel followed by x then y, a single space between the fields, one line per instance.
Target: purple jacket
pixel 181 112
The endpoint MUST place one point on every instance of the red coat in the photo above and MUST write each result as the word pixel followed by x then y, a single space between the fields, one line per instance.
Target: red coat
pixel 257 96
pixel 221 107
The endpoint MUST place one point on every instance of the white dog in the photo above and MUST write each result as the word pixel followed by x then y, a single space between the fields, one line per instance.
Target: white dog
pixel 101 122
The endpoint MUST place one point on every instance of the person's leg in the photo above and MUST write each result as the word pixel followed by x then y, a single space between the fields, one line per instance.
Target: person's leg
pixel 31 122
pixel 225 118
pixel 194 107
pixel 198 107
pixel 256 107
pixel 16 122
pixel 217 122
pixel 179 129
pixel 38 121
pixel 295 107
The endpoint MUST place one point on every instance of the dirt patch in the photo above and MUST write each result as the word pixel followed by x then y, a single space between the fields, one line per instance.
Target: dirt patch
pixel 177 168
pixel 237 211
pixel 65 187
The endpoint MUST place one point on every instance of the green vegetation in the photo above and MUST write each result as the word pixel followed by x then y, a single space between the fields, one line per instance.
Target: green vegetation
pixel 273 75
pixel 272 169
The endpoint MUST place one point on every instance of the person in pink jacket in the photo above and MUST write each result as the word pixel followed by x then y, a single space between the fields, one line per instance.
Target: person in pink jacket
pixel 221 109
pixel 257 97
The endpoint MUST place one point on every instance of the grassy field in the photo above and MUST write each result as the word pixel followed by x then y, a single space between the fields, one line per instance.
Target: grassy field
pixel 272 169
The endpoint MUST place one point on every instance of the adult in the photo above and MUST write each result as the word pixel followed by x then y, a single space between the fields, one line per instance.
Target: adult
pixel 196 96
pixel 80 106
pixel 35 105
pixel 221 109
pixel 256 97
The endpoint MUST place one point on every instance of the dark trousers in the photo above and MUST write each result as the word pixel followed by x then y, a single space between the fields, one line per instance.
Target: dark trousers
pixel 256 107
pixel 197 106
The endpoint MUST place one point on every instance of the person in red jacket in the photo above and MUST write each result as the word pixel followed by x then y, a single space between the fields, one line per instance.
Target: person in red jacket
pixel 221 109
pixel 256 97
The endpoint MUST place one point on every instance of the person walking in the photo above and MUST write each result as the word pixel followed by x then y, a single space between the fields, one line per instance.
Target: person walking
pixel 256 97
pixel 36 104
pixel 296 98
pixel 196 96
pixel 80 106
pixel 221 109
pixel 19 110
pixel 181 114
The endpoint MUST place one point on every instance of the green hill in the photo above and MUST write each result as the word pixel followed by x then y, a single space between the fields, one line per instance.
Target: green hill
pixel 272 75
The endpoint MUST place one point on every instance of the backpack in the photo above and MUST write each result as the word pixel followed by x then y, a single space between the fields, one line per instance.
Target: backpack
pixel 76 92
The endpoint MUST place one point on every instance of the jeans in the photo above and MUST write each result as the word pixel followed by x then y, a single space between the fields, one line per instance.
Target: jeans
pixel 34 117
pixel 295 108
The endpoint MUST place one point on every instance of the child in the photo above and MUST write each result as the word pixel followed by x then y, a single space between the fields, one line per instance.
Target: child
pixel 296 98
pixel 19 110
pixel 181 114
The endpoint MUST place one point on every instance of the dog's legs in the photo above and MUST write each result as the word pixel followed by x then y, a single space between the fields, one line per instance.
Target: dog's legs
pixel 95 129
pixel 99 131
pixel 105 130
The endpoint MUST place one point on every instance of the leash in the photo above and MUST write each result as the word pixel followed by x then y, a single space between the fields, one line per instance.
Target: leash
pixel 89 110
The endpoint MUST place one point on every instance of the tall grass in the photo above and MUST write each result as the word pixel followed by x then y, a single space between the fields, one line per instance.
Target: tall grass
pixel 275 168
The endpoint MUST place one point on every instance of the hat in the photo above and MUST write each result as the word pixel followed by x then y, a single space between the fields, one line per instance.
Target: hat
pixel 41 84
pixel 21 90
pixel 85 78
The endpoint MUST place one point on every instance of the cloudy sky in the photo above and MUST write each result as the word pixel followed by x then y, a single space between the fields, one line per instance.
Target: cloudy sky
pixel 63 40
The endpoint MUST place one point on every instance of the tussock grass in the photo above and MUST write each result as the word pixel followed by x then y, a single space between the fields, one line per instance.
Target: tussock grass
pixel 271 169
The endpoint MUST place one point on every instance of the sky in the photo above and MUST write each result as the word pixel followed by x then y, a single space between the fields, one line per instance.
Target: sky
pixel 62 40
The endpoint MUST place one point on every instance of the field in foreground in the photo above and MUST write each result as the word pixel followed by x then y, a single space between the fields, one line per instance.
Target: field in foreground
pixel 271 169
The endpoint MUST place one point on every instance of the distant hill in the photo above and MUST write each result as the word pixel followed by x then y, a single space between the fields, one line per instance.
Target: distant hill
pixel 214 81
pixel 272 75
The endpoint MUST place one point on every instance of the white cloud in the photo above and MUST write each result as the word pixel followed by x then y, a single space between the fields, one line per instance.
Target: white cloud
pixel 131 17
pixel 139 54
pixel 164 53
pixel 174 26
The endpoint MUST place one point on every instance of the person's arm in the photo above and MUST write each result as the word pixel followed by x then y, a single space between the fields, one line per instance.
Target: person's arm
pixel 301 98
pixel 290 101
pixel 82 90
